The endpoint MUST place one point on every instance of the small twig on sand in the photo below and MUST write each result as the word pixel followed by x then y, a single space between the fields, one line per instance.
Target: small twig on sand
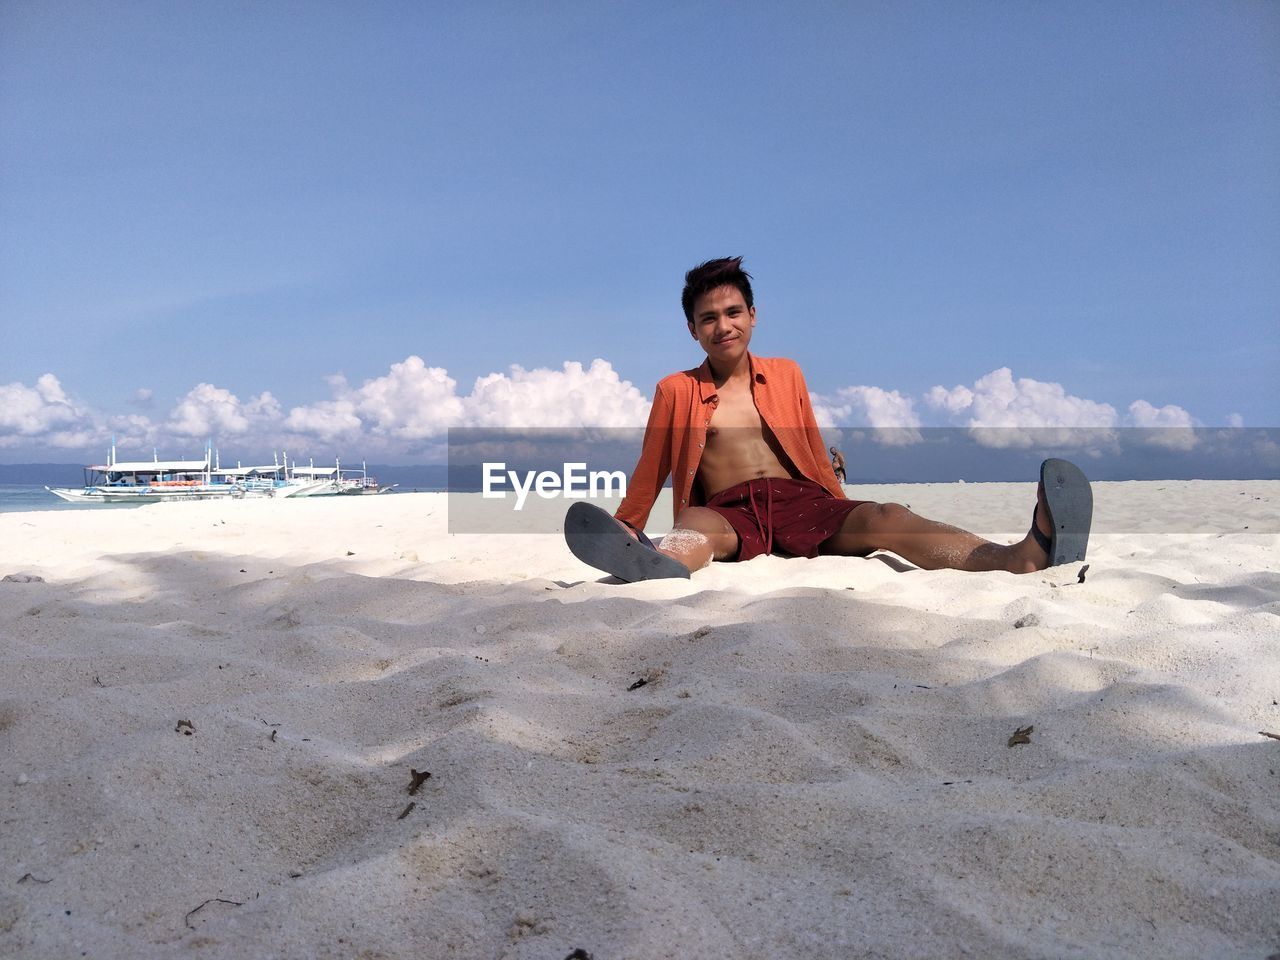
pixel 273 736
pixel 1273 736
pixel 1021 735
pixel 407 810
pixel 419 778
pixel 1083 571
pixel 31 876
pixel 638 684
pixel 187 918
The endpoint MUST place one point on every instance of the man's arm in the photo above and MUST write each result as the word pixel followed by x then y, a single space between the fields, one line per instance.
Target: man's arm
pixel 826 472
pixel 654 465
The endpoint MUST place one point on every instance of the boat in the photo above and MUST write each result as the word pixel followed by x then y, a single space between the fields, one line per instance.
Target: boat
pixel 155 480
pixel 334 481
pixel 148 481
pixel 272 480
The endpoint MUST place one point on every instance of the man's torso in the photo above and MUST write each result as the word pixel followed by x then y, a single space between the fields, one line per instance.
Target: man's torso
pixel 740 445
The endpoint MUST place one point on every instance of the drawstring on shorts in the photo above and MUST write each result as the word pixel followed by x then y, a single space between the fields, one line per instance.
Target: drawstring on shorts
pixel 765 526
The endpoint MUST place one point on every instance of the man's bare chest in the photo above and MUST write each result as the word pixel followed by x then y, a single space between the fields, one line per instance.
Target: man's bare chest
pixel 736 412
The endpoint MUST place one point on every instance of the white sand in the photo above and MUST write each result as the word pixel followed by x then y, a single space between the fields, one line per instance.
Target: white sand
pixel 817 767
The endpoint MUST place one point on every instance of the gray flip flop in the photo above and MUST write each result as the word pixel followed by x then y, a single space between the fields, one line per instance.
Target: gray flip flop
pixel 600 541
pixel 1070 504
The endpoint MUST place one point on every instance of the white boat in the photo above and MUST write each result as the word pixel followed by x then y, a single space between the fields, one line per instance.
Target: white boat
pixel 272 480
pixel 334 481
pixel 148 481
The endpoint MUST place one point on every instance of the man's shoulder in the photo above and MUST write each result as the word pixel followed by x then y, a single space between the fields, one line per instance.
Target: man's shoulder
pixel 777 367
pixel 680 381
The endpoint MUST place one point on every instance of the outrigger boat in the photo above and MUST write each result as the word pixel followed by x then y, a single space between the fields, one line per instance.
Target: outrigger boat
pixel 151 481
pixel 334 481
pixel 143 481
pixel 273 480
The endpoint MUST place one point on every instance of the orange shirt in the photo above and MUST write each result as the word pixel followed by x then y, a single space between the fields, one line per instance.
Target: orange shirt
pixel 677 434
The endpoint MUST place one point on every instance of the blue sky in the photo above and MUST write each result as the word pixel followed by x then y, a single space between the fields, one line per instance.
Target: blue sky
pixel 210 211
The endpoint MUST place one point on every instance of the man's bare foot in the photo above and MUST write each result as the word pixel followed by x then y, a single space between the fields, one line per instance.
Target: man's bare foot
pixel 600 541
pixel 1029 555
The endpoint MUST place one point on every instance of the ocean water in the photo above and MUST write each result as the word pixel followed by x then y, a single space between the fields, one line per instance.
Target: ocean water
pixel 21 497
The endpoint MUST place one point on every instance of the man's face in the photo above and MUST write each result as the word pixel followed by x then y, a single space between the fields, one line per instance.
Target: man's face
pixel 722 324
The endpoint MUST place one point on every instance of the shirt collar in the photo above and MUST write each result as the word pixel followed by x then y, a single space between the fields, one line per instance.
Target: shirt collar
pixel 707 385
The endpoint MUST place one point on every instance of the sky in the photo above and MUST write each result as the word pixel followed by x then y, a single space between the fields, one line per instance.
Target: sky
pixel 344 228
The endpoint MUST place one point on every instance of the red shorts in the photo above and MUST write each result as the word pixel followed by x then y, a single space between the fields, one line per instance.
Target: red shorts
pixel 772 513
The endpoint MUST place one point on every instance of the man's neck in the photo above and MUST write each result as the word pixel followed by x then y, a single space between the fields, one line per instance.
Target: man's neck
pixel 738 372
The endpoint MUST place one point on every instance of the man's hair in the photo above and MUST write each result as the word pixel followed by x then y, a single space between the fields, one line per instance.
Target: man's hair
pixel 705 277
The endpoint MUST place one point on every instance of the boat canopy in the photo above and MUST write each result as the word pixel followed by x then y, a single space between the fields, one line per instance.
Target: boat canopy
pixel 314 471
pixel 245 471
pixel 154 466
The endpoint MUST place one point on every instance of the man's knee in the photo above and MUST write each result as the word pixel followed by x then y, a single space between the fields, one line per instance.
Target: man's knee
pixel 723 538
pixel 885 517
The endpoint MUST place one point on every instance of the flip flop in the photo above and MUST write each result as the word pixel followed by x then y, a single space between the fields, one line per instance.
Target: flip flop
pixel 1069 501
pixel 600 541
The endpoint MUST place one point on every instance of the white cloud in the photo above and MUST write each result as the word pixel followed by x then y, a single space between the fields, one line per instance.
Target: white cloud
pixel 1143 414
pixel 1169 426
pixel 131 430
pixel 411 402
pixel 329 420
pixel 891 413
pixel 568 397
pixel 998 400
pixel 407 411
pixel 43 411
pixel 210 411
pixel 414 402
pixel 956 400
pixel 1003 412
pixel 1235 420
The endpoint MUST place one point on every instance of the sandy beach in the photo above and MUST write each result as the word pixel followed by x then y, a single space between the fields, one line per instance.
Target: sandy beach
pixel 211 715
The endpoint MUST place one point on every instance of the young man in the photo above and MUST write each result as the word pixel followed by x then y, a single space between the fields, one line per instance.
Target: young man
pixel 751 476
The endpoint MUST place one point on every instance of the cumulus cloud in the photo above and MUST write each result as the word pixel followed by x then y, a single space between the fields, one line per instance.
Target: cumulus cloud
pixel 415 402
pixel 407 410
pixel 1169 426
pixel 1001 412
pixel 410 402
pixel 43 410
pixel 954 401
pixel 891 413
pixel 568 397
pixel 998 400
pixel 210 411
pixel 131 430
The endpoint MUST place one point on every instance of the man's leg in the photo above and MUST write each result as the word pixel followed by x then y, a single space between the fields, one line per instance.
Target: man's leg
pixel 700 536
pixel 932 545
